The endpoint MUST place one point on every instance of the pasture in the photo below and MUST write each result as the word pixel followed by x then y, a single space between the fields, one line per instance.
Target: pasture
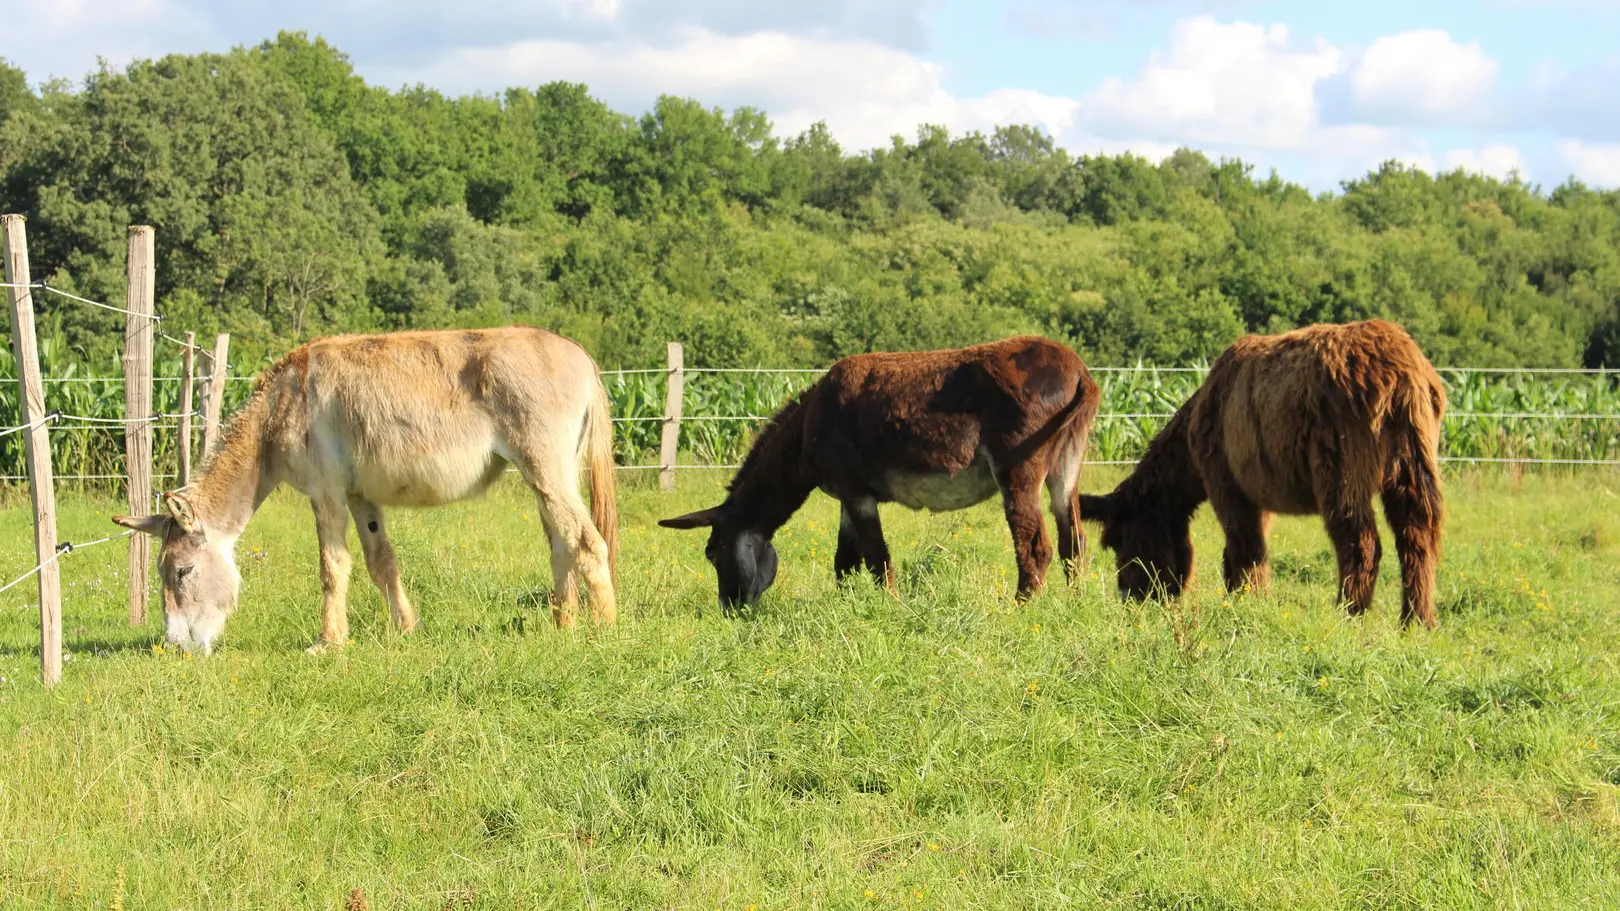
pixel 839 748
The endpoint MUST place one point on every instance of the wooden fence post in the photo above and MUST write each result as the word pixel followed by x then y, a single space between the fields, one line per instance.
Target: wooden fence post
pixel 36 447
pixel 182 447
pixel 138 334
pixel 670 442
pixel 215 396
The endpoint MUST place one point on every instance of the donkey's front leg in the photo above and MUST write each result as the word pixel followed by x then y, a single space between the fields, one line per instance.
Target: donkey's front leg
pixel 332 528
pixel 847 558
pixel 867 534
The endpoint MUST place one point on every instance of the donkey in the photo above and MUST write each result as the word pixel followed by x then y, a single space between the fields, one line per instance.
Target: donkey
pixel 940 430
pixel 1314 421
pixel 360 422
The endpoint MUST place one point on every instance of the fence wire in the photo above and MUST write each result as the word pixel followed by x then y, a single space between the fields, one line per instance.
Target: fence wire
pixel 41 285
pixel 48 417
pixel 63 422
pixel 63 548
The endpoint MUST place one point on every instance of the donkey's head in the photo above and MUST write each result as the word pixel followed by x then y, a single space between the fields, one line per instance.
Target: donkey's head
pixel 198 571
pixel 1153 552
pixel 743 558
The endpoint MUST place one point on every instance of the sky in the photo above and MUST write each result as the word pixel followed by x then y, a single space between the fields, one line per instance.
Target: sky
pixel 1320 91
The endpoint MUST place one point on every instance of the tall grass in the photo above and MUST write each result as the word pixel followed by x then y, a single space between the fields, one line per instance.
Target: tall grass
pixel 1492 415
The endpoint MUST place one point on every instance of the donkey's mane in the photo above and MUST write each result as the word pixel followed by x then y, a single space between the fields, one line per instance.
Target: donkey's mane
pixel 769 487
pixel 1165 477
pixel 237 451
pixel 775 445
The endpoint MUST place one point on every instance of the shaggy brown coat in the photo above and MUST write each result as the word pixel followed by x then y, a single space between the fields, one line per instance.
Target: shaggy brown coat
pixel 929 429
pixel 361 422
pixel 1315 421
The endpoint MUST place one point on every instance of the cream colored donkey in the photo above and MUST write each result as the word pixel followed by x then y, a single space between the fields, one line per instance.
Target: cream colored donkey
pixel 359 422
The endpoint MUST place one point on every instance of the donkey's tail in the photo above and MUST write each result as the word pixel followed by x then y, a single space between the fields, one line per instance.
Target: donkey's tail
pixel 1070 428
pixel 1073 433
pixel 599 455
pixel 1422 407
pixel 1412 500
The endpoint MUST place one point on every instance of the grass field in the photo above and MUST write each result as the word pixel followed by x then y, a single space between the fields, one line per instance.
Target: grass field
pixel 840 749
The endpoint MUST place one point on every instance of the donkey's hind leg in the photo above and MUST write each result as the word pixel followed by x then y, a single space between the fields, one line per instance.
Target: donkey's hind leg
pixel 578 551
pixel 1063 486
pixel 1353 529
pixel 564 577
pixel 1021 501
pixel 1413 508
pixel 381 564
pixel 1344 500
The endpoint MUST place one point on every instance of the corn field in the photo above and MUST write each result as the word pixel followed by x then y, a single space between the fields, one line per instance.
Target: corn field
pixel 1551 416
pixel 85 452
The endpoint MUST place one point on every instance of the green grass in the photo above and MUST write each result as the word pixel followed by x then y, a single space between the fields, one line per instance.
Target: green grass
pixel 840 749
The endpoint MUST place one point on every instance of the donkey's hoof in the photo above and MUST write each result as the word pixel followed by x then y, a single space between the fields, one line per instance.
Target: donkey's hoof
pixel 322 646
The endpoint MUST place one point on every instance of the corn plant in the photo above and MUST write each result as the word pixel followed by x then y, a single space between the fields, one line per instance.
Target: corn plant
pixel 1491 416
pixel 84 451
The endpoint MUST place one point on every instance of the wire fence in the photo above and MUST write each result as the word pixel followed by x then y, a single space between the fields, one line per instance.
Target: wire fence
pixel 1497 415
pixel 59 419
pixel 1552 416
pixel 63 548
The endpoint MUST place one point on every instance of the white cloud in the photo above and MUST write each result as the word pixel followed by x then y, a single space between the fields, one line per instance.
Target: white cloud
pixel 1238 84
pixel 1578 6
pixel 1422 76
pixel 1592 163
pixel 1500 161
pixel 1228 88
pixel 1259 91
pixel 1100 18
pixel 62 17
pixel 865 92
pixel 1248 90
pixel 66 36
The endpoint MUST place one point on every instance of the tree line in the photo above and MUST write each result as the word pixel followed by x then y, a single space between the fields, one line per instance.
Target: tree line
pixel 293 199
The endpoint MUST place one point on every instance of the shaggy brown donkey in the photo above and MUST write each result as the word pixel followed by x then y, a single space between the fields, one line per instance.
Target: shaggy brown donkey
pixel 937 429
pixel 1314 421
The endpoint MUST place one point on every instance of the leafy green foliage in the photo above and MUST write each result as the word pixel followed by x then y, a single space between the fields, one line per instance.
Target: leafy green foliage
pixel 262 229
pixel 292 199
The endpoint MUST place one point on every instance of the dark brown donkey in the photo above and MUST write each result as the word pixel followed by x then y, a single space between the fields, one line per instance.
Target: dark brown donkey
pixel 937 429
pixel 1314 421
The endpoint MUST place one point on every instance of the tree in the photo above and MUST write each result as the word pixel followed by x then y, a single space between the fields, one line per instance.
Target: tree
pixel 259 223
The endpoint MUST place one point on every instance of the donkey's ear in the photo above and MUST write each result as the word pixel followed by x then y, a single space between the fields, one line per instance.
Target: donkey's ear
pixel 703 518
pixel 152 525
pixel 1097 508
pixel 180 507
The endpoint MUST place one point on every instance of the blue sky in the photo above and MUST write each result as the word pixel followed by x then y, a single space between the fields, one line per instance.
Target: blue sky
pixel 1322 92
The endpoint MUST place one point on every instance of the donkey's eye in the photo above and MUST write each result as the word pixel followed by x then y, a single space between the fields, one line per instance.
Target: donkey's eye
pixel 180 572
